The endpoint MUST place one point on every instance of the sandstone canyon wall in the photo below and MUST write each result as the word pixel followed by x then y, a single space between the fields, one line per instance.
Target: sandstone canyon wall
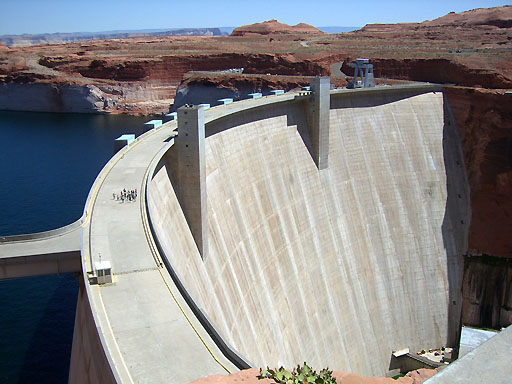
pixel 484 118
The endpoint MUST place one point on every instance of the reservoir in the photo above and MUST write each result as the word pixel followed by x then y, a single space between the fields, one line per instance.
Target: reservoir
pixel 48 163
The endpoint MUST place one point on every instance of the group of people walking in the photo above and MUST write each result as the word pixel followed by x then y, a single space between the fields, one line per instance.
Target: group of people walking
pixel 124 195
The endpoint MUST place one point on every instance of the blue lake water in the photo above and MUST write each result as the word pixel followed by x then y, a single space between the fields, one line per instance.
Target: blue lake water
pixel 48 163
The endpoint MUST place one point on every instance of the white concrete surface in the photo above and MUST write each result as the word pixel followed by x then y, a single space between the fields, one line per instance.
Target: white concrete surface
pixel 488 363
pixel 472 337
pixel 339 267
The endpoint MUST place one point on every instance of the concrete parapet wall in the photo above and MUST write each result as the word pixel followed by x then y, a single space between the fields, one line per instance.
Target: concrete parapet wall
pixel 43 235
pixel 42 253
pixel 340 267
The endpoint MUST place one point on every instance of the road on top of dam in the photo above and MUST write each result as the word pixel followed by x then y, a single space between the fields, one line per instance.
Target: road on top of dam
pixel 147 328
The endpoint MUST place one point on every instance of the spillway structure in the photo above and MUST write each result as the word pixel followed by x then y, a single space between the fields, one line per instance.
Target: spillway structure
pixel 325 226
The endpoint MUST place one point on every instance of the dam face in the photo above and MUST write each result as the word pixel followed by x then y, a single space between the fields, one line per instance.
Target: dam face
pixel 337 267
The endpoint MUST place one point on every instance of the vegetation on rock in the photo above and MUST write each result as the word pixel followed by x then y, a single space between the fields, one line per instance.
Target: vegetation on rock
pixel 299 375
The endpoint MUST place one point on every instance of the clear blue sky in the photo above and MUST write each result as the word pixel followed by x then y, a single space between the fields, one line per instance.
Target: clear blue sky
pixel 48 16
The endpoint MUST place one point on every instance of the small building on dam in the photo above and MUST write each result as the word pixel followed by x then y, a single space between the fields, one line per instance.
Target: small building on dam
pixel 325 226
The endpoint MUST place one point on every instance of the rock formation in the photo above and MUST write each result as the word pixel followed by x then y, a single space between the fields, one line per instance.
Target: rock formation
pixel 500 17
pixel 274 27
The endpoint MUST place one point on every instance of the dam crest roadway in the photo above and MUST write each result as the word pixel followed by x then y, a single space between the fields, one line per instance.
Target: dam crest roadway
pixel 198 277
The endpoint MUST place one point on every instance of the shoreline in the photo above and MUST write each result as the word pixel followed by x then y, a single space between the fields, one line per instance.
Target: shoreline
pixel 88 98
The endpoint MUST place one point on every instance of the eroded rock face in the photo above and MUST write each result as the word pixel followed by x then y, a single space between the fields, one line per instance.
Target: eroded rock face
pixel 486 291
pixel 484 119
pixel 283 65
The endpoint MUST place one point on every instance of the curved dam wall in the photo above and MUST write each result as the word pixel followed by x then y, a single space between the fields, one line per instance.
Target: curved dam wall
pixel 89 361
pixel 337 267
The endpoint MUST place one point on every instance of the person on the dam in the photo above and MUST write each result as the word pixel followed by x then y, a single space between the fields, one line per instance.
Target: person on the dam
pixel 126 195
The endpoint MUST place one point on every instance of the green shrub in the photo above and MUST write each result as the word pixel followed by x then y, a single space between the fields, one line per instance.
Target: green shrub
pixel 299 375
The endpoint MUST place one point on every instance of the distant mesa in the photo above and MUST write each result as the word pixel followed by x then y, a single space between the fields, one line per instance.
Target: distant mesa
pixel 274 27
pixel 3 48
pixel 500 17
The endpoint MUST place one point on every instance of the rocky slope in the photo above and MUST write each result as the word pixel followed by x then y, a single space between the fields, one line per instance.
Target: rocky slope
pixel 500 17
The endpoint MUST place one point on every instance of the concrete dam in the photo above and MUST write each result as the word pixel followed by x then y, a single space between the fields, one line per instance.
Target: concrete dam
pixel 337 264
pixel 325 226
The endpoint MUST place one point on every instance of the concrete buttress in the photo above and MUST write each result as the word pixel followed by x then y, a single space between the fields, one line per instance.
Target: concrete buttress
pixel 191 173
pixel 319 120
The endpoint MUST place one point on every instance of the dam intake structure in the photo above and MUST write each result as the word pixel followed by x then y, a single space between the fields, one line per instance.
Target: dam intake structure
pixel 325 226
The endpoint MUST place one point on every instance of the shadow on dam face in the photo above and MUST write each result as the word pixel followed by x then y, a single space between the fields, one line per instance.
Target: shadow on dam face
pixel 337 267
pixel 456 222
pixel 296 113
